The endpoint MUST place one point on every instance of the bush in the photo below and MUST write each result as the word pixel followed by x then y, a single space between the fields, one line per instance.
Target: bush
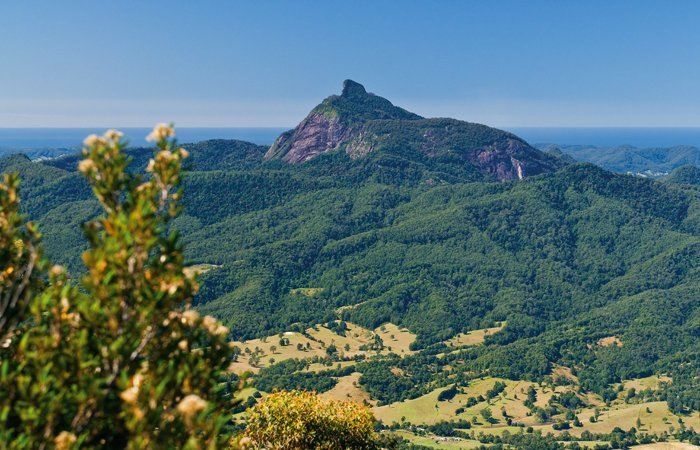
pixel 121 362
pixel 302 420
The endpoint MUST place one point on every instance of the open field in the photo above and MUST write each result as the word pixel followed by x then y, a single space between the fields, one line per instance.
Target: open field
pixel 397 340
pixel 442 443
pixel 625 416
pixel 474 337
pixel 427 410
pixel 436 442
pixel 666 446
pixel 348 388
pixel 316 340
pixel 652 382
pixel 198 269
pixel 655 417
pixel 280 353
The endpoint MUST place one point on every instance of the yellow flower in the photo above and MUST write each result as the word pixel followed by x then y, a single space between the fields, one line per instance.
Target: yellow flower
pixel 113 135
pixel 93 139
pixel 65 440
pixel 137 380
pixel 190 316
pixel 210 323
pixel 19 246
pixel 164 155
pixel 213 326
pixel 86 165
pixel 130 395
pixel 160 131
pixel 56 270
pixel 191 405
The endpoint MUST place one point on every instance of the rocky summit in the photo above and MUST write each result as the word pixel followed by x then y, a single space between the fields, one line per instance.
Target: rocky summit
pixel 360 123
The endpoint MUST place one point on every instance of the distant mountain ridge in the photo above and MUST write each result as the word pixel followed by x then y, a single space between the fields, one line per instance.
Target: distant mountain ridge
pixel 361 123
pixel 650 162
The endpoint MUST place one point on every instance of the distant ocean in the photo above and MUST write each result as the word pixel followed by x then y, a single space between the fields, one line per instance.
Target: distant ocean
pixel 43 138
pixel 611 137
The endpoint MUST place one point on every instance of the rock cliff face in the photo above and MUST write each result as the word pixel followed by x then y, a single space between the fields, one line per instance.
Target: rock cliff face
pixel 360 123
pixel 510 160
pixel 316 134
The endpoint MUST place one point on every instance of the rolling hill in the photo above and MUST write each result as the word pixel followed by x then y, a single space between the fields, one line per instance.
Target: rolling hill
pixel 648 162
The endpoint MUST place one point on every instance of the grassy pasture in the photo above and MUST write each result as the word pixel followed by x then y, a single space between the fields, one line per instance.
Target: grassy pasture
pixel 652 382
pixel 348 388
pixel 199 269
pixel 666 446
pixel 474 337
pixel 317 339
pixel 427 410
pixel 434 442
pixel 654 416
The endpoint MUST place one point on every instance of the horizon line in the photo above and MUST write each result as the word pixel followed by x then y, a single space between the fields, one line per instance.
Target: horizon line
pixel 272 127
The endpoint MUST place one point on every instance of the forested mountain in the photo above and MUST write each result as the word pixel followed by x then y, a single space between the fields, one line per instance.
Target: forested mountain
pixel 685 175
pixel 650 162
pixel 361 123
pixel 402 219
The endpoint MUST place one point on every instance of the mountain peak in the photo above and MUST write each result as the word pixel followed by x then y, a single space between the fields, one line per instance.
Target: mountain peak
pixel 353 89
pixel 361 123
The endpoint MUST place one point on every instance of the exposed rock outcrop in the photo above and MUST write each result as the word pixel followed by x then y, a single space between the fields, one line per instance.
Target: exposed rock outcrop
pixel 361 123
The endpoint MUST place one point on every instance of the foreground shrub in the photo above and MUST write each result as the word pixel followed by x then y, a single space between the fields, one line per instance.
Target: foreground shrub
pixel 121 362
pixel 302 420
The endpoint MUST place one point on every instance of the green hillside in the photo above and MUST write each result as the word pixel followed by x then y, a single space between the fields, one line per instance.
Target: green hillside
pixel 649 162
pixel 566 259
pixel 689 175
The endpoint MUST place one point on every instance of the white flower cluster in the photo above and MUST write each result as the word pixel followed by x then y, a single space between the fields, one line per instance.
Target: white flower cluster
pixel 109 136
pixel 131 394
pixel 160 132
pixel 214 327
pixel 191 405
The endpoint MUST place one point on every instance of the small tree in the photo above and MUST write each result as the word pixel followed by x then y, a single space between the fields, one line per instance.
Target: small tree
pixel 122 362
pixel 302 420
pixel 487 415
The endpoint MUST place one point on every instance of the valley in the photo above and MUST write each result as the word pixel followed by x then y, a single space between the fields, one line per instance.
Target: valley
pixel 513 406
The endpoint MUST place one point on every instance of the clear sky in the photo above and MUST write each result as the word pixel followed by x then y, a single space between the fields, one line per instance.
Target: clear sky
pixel 264 63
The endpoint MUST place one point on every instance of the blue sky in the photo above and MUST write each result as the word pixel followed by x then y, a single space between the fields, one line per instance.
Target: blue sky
pixel 265 63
